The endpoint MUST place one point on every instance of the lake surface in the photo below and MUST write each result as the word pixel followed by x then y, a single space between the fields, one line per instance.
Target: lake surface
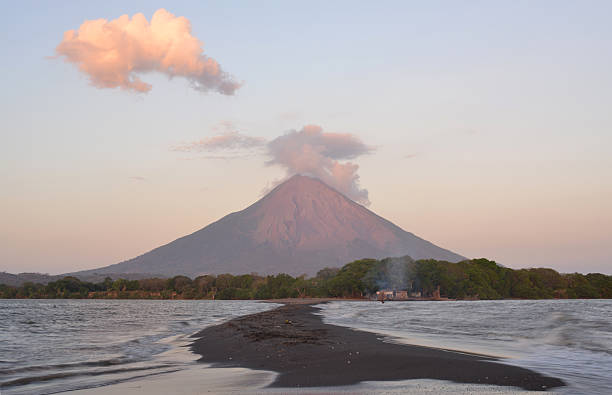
pixel 49 346
pixel 569 339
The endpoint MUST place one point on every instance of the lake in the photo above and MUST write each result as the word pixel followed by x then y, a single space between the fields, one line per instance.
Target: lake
pixel 50 346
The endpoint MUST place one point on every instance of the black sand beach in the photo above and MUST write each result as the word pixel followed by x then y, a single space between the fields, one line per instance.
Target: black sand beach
pixel 294 342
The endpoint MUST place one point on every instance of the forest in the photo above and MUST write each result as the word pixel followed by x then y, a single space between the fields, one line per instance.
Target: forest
pixel 470 279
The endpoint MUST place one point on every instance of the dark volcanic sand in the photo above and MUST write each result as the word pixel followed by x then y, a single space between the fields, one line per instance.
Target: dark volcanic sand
pixel 308 353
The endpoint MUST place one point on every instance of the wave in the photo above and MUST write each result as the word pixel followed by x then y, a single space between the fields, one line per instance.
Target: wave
pixel 54 376
pixel 105 362
pixel 48 346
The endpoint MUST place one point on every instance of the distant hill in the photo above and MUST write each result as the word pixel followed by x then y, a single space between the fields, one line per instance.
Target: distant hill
pixel 301 226
pixel 16 280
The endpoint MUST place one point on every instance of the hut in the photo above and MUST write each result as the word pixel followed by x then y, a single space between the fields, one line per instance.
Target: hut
pixel 386 294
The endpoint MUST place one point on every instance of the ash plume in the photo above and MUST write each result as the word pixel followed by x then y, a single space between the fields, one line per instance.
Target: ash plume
pixel 311 151
pixel 114 53
pixel 308 151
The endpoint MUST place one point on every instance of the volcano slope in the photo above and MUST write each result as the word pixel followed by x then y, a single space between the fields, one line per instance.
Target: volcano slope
pixel 300 227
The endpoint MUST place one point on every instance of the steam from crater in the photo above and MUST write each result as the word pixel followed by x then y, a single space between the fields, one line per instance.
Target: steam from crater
pixel 311 151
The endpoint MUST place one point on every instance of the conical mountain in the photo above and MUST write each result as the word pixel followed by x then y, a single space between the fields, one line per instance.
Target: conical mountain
pixel 301 226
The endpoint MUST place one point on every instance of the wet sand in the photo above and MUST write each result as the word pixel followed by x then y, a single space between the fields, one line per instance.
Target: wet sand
pixel 305 352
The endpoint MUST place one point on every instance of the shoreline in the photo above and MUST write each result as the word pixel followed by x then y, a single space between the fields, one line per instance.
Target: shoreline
pixel 305 352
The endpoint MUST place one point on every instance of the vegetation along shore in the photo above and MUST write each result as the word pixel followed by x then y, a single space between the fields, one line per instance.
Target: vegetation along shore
pixel 470 279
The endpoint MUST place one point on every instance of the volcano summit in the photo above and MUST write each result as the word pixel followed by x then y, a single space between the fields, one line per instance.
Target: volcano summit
pixel 301 226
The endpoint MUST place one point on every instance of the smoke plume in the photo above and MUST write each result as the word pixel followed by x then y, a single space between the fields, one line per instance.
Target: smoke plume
pixel 113 53
pixel 311 151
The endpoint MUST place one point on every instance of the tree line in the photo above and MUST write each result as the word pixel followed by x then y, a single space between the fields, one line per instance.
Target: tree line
pixel 470 279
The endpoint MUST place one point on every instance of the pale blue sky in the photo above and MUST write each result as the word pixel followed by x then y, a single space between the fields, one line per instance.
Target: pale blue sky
pixel 491 120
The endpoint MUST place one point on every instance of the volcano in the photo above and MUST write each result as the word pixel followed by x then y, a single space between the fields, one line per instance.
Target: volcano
pixel 300 227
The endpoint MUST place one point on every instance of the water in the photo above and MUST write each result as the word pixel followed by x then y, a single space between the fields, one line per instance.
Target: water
pixel 569 339
pixel 49 346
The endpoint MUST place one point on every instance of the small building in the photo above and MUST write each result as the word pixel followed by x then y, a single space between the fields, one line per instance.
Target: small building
pixel 401 295
pixel 386 294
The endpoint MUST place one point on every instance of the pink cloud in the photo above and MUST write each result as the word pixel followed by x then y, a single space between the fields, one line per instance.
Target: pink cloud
pixel 230 140
pixel 114 53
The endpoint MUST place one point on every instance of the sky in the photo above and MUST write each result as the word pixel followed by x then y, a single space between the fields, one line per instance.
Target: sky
pixel 483 127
